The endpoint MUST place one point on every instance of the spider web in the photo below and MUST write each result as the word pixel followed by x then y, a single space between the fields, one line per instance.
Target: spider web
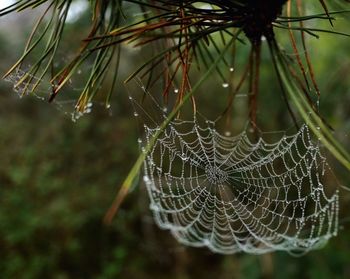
pixel 25 84
pixel 232 194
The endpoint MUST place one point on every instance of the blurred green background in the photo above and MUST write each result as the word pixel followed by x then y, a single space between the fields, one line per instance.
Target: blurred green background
pixel 58 178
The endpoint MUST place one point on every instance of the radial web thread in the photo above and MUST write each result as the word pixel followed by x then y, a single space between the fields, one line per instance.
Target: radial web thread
pixel 232 195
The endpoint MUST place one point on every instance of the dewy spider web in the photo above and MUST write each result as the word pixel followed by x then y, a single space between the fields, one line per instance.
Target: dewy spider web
pixel 233 195
pixel 24 84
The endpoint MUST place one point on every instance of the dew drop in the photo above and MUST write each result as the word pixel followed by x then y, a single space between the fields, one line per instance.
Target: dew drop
pixel 130 98
pixel 154 207
pixel 206 242
pixel 108 106
pixel 232 69
pixel 79 72
pixel 225 85
pixel 76 115
pixel 136 114
pixel 176 91
pixel 145 178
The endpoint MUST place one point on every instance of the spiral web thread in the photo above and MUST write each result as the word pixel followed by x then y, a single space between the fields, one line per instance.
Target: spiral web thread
pixel 232 195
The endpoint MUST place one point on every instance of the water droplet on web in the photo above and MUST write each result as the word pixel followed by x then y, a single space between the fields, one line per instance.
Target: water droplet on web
pixel 108 106
pixel 232 69
pixel 176 91
pixel 154 207
pixel 206 242
pixel 165 109
pixel 130 98
pixel 79 72
pixel 225 85
pixel 139 140
pixel 76 115
pixel 145 178
pixel 136 114
pixel 89 105
pixel 40 98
